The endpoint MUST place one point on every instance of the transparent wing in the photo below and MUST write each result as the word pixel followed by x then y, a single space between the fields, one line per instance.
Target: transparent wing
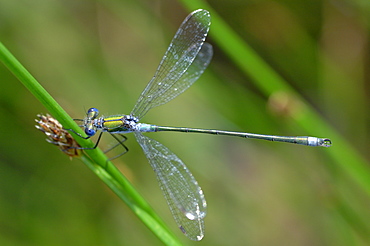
pixel 184 51
pixel 182 192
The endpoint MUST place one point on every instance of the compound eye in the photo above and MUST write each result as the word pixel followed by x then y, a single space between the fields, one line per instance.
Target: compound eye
pixel 92 110
pixel 92 113
pixel 90 132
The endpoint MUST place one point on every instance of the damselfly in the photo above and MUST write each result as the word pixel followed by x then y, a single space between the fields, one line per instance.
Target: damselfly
pixel 183 63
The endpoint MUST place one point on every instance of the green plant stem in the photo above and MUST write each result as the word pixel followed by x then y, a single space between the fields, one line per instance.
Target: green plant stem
pixel 269 82
pixel 96 161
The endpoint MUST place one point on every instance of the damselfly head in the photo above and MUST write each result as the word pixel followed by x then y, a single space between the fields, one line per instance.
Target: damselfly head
pixel 91 115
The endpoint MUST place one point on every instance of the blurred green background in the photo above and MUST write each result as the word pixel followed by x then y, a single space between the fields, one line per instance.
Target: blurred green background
pixel 102 54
